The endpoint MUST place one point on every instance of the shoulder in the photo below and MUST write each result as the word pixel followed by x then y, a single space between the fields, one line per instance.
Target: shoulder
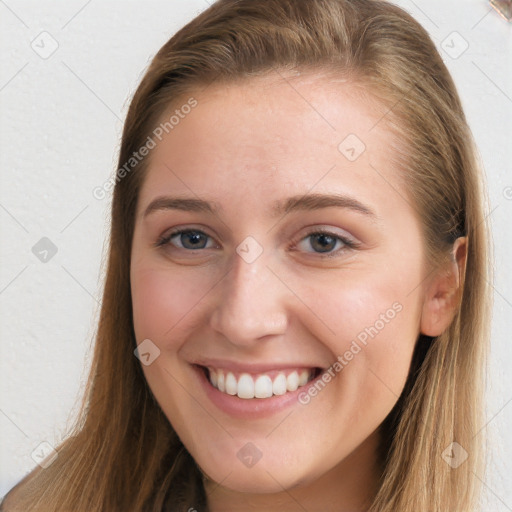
pixel 10 502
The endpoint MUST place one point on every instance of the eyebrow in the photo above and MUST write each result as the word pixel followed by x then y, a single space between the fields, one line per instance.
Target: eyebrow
pixel 307 202
pixel 181 203
pixel 304 202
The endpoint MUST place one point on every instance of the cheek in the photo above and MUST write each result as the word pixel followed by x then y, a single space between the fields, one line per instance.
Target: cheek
pixel 363 305
pixel 375 328
pixel 374 324
pixel 162 299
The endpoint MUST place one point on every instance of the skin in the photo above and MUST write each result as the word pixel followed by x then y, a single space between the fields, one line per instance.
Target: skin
pixel 244 147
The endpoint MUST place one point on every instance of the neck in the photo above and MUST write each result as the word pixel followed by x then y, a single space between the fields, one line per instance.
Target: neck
pixel 348 487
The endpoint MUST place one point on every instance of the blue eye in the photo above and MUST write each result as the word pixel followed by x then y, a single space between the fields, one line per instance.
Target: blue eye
pixel 323 243
pixel 189 239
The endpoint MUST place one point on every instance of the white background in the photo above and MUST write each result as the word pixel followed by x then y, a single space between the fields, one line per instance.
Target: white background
pixel 59 133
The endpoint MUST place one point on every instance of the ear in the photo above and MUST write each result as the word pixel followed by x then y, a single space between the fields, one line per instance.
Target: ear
pixel 444 290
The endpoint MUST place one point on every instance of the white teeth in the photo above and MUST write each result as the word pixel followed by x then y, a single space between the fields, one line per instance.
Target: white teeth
pixel 220 382
pixel 292 381
pixel 303 377
pixel 262 386
pixel 213 377
pixel 230 384
pixel 279 385
pixel 245 386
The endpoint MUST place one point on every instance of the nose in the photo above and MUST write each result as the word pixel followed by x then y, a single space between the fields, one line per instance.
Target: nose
pixel 251 305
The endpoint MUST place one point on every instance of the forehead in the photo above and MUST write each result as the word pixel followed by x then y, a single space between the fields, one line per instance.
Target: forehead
pixel 259 137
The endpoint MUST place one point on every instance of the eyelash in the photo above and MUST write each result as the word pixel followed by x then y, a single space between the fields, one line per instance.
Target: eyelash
pixel 347 243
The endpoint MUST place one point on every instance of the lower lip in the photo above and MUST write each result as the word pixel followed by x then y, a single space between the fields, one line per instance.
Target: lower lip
pixel 252 407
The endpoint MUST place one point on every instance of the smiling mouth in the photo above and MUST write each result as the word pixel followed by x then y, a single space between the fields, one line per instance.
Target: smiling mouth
pixel 262 385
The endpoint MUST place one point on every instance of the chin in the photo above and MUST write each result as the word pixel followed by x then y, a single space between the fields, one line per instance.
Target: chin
pixel 260 480
pixel 270 474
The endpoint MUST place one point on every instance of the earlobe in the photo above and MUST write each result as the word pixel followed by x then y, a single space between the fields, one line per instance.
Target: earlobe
pixel 442 296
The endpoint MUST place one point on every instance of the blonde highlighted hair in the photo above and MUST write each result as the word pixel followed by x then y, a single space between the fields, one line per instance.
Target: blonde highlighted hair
pixel 123 454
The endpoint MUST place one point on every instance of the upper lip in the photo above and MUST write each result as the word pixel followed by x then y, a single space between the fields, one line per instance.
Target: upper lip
pixel 253 367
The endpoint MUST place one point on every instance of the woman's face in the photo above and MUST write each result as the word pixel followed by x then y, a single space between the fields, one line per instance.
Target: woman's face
pixel 300 258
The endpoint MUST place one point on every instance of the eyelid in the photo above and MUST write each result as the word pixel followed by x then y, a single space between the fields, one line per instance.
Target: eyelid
pixel 348 241
pixel 324 230
pixel 165 239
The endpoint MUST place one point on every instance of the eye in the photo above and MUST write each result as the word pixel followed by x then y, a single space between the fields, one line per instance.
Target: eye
pixel 188 239
pixel 324 243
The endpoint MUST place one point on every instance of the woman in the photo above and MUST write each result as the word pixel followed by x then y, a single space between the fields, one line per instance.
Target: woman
pixel 295 314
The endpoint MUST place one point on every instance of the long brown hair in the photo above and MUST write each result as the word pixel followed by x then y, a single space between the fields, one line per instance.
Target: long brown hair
pixel 123 454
